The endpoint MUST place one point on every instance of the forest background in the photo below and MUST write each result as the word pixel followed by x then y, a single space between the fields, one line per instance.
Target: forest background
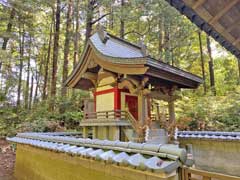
pixel 41 41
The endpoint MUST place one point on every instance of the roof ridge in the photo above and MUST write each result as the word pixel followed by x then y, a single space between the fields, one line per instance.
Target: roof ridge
pixel 124 40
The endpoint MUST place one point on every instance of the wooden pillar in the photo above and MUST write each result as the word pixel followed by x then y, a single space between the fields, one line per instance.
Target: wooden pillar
pixel 95 132
pixel 171 111
pixel 85 132
pixel 142 110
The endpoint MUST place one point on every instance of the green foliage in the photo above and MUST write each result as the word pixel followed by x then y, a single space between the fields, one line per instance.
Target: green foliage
pixel 210 112
pixel 168 35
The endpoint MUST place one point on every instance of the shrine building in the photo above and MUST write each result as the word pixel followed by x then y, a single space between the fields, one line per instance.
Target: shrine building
pixel 125 82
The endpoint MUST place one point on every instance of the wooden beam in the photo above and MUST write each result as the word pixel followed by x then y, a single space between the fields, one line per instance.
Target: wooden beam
pixel 234 25
pixel 198 4
pixel 236 41
pixel 223 11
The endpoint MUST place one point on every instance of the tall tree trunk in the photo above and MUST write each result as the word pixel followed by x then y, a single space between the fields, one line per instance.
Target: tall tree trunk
pixel 21 44
pixel 26 94
pixel 77 35
pixel 90 9
pixel 37 81
pixel 211 67
pixel 238 71
pixel 31 92
pixel 122 23
pixel 55 56
pixel 46 70
pixel 160 37
pixel 111 18
pixel 202 62
pixel 9 29
pixel 66 50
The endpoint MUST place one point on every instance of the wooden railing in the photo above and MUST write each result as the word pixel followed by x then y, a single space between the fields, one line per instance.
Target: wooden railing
pixel 118 114
pixel 114 114
pixel 196 174
pixel 136 126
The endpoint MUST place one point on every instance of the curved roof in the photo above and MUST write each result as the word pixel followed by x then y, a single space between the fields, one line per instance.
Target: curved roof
pixel 116 48
pixel 218 18
pixel 122 57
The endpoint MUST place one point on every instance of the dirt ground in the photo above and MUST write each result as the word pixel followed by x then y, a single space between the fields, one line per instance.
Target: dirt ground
pixel 7 160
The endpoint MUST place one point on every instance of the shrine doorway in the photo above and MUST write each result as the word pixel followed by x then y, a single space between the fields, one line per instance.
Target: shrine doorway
pixel 132 105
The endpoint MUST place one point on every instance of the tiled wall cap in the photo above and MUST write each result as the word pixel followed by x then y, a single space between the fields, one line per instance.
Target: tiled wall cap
pixel 106 155
pixel 155 164
pixel 138 146
pixel 174 151
pixel 83 152
pixel 135 160
pixel 123 144
pixel 69 148
pixel 152 147
pixel 209 135
pixel 119 158
pixel 94 153
pixel 75 150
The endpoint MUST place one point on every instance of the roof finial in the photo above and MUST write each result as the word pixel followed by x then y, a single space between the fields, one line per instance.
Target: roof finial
pixel 102 33
pixel 143 47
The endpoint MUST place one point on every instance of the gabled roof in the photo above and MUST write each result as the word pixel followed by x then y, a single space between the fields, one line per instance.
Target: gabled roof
pixel 218 18
pixel 130 58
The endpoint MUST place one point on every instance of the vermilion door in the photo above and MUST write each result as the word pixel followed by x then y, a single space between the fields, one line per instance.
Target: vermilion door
pixel 132 104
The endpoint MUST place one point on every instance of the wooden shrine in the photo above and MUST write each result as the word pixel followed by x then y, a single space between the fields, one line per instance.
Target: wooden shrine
pixel 124 81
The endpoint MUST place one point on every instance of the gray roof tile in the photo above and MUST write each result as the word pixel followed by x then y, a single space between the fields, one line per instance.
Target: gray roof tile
pixel 115 47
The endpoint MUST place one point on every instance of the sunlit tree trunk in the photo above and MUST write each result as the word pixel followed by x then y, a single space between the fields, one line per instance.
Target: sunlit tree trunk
pixel 21 44
pixel 77 35
pixel 238 71
pixel 9 29
pixel 31 92
pixel 46 67
pixel 55 55
pixel 66 50
pixel 26 94
pixel 211 67
pixel 122 23
pixel 90 9
pixel 37 77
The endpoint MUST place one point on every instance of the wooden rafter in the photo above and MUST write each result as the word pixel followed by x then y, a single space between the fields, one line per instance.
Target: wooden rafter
pixel 198 4
pixel 236 41
pixel 234 25
pixel 223 11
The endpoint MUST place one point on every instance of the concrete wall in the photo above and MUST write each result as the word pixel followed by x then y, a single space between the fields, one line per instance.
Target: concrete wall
pixel 215 155
pixel 38 164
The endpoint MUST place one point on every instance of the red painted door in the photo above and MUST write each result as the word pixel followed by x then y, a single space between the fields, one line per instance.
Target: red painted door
pixel 132 104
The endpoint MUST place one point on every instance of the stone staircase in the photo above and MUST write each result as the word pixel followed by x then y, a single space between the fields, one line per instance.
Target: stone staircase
pixel 156 135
